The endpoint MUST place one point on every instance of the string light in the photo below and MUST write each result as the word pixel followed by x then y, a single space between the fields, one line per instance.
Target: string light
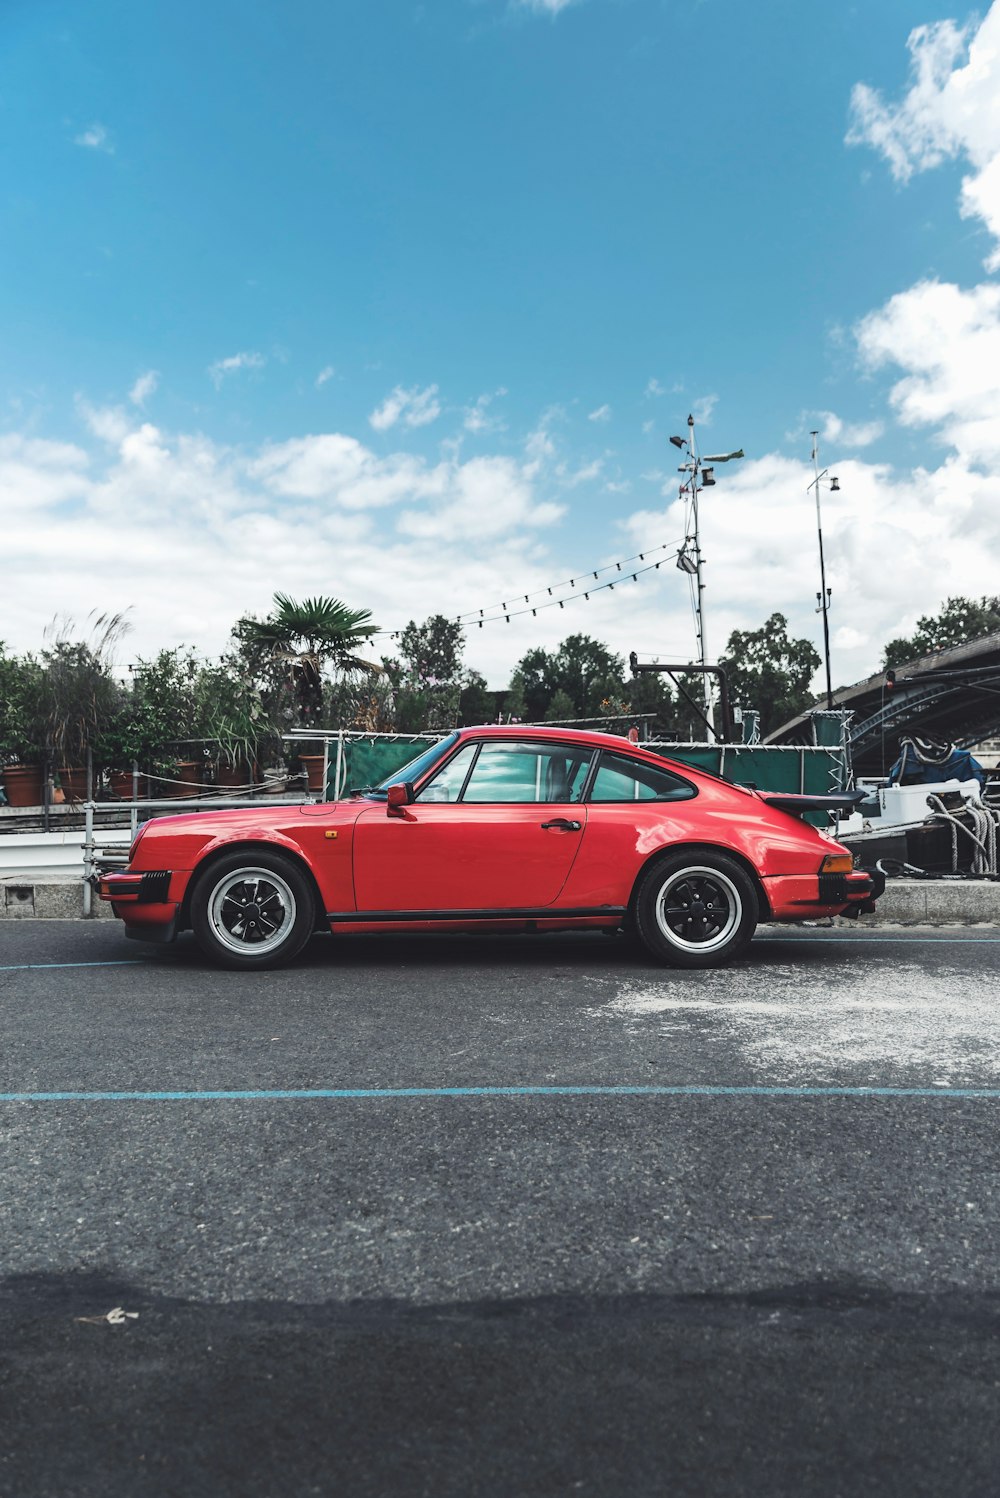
pixel 494 613
pixel 569 582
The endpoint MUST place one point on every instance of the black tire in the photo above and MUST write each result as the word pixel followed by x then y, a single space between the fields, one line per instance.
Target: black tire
pixel 695 909
pixel 253 909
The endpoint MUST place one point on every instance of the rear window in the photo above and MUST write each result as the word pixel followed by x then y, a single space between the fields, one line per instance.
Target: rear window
pixel 620 778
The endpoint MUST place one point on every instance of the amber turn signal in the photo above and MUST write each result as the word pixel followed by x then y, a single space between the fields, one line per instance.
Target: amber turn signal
pixel 837 863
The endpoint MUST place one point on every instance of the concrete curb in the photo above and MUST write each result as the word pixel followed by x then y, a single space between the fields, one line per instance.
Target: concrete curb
pixel 906 902
pixel 936 902
pixel 47 900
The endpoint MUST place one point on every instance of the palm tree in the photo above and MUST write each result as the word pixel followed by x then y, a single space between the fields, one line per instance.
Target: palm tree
pixel 308 634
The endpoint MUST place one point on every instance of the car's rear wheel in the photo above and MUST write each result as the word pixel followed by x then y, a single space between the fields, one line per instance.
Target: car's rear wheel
pixel 696 909
pixel 252 910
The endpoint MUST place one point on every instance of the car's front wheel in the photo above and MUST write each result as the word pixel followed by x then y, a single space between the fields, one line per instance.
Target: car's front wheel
pixel 252 910
pixel 696 909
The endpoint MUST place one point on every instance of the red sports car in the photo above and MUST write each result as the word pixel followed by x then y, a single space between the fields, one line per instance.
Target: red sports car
pixel 496 829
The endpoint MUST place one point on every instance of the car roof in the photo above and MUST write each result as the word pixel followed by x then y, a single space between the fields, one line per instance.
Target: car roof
pixel 583 737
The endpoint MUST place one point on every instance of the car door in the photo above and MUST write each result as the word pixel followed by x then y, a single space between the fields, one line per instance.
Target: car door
pixel 498 828
pixel 633 809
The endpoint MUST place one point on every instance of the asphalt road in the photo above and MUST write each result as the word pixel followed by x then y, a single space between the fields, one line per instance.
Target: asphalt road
pixel 531 1217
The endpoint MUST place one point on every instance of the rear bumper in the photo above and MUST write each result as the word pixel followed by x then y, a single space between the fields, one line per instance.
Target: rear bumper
pixel 795 897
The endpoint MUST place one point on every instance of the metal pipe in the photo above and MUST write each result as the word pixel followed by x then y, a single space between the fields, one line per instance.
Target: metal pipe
pixel 824 595
pixel 88 851
pixel 340 764
pixel 725 710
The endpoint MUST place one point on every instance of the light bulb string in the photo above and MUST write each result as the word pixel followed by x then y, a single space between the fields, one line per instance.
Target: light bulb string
pixel 521 604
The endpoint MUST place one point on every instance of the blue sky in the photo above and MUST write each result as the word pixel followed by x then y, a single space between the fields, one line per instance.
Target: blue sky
pixel 401 302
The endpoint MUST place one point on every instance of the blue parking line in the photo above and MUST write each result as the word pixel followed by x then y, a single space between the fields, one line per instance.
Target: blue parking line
pixel 961 941
pixel 30 967
pixel 385 1094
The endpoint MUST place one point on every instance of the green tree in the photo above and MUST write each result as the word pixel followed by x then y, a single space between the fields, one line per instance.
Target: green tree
pixel 531 687
pixel 22 713
pixel 427 675
pixel 289 651
pixel 588 675
pixel 591 675
pixel 432 651
pixel 649 692
pixel 771 672
pixel 155 714
pixel 959 620
pixel 80 694
pixel 477 703
pixel 561 708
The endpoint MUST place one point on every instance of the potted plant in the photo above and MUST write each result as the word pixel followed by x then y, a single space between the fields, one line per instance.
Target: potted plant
pixel 79 695
pixel 164 720
pixel 119 747
pixel 231 713
pixel 22 729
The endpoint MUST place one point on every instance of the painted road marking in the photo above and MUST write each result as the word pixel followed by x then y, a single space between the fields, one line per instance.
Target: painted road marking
pixel 583 1090
pixel 30 967
pixel 873 940
pixel 913 941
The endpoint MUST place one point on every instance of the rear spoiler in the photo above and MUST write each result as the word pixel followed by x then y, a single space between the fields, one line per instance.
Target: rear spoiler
pixel 842 802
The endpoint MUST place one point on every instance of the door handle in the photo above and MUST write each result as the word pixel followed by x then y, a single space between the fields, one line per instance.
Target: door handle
pixel 563 825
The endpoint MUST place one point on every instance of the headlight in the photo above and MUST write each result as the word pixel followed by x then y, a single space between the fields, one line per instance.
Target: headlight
pixel 837 863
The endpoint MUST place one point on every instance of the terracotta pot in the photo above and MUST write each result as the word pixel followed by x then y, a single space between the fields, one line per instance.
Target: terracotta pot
pixel 120 783
pixel 233 775
pixel 74 782
pixel 189 774
pixel 23 784
pixel 313 766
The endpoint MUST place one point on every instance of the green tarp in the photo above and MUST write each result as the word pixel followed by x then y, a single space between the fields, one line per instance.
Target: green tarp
pixel 777 768
pixel 781 768
pixel 367 761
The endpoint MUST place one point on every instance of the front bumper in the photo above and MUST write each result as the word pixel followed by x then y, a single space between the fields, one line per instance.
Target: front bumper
pixel 149 888
pixel 142 901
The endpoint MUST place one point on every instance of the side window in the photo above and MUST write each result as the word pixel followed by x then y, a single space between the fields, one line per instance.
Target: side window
pixel 528 772
pixel 619 778
pixel 448 782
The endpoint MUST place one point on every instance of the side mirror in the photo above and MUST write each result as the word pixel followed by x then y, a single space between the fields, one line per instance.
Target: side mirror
pixel 398 795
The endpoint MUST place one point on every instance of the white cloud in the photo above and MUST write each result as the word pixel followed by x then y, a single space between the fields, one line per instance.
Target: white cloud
pixel 144 387
pixel 585 474
pixel 110 423
pixel 952 109
pixel 545 7
pixel 603 413
pixel 223 367
pixel 485 497
pixel 95 138
pixel 832 428
pixel 477 418
pixel 35 475
pixel 342 471
pixel 326 373
pixel 703 408
pixel 654 388
pixel 947 342
pixel 415 408
pixel 195 532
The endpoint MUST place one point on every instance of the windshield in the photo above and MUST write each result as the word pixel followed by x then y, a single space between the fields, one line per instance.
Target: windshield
pixel 416 767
